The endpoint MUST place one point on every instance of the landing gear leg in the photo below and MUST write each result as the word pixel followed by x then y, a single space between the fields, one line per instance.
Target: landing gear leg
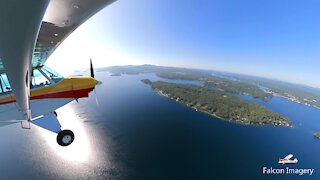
pixel 51 123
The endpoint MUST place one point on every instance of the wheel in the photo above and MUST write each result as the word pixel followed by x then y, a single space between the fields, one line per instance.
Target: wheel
pixel 55 113
pixel 65 137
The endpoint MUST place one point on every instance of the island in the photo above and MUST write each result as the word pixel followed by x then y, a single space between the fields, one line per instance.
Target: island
pixel 317 135
pixel 219 83
pixel 219 104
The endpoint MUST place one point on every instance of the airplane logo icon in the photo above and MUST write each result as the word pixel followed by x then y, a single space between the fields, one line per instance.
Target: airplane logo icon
pixel 288 160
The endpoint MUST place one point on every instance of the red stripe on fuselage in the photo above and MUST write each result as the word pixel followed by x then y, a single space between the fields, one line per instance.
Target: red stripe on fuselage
pixel 65 94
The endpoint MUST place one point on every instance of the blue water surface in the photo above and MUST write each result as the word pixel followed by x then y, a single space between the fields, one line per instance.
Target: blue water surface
pixel 134 133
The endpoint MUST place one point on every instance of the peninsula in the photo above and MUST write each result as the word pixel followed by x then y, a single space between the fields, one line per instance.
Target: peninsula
pixel 219 104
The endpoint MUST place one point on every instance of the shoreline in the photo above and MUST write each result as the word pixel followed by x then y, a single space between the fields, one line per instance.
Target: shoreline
pixel 238 121
pixel 293 99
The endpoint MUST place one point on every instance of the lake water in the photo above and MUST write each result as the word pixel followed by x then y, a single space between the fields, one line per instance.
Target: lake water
pixel 133 133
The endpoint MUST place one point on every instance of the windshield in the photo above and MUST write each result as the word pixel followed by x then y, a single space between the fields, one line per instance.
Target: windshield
pixel 54 76
pixel 44 76
pixel 38 79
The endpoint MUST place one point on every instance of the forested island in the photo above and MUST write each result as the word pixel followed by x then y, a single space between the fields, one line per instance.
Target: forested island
pixel 219 104
pixel 221 84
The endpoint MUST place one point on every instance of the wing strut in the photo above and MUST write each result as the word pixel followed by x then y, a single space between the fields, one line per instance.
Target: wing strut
pixel 18 37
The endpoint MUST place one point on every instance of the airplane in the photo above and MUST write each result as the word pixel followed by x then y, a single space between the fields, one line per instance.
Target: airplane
pixel 288 160
pixel 30 31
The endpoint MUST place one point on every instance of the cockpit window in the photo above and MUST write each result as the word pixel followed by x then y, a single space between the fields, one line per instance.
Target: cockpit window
pixel 38 79
pixel 44 76
pixel 4 84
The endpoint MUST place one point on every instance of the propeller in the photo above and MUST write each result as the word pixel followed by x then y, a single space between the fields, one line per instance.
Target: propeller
pixel 91 69
pixel 92 75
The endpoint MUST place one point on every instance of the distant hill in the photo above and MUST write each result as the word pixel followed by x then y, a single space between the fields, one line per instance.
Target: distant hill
pixel 147 68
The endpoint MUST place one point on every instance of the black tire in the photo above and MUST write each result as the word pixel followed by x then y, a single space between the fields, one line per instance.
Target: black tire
pixel 65 138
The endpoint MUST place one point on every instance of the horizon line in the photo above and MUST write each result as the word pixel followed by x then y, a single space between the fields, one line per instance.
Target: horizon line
pixel 221 71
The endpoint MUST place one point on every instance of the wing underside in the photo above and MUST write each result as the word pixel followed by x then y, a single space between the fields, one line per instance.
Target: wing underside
pixel 60 20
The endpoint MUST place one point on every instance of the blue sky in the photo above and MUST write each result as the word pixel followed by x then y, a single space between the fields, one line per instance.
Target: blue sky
pixel 271 38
